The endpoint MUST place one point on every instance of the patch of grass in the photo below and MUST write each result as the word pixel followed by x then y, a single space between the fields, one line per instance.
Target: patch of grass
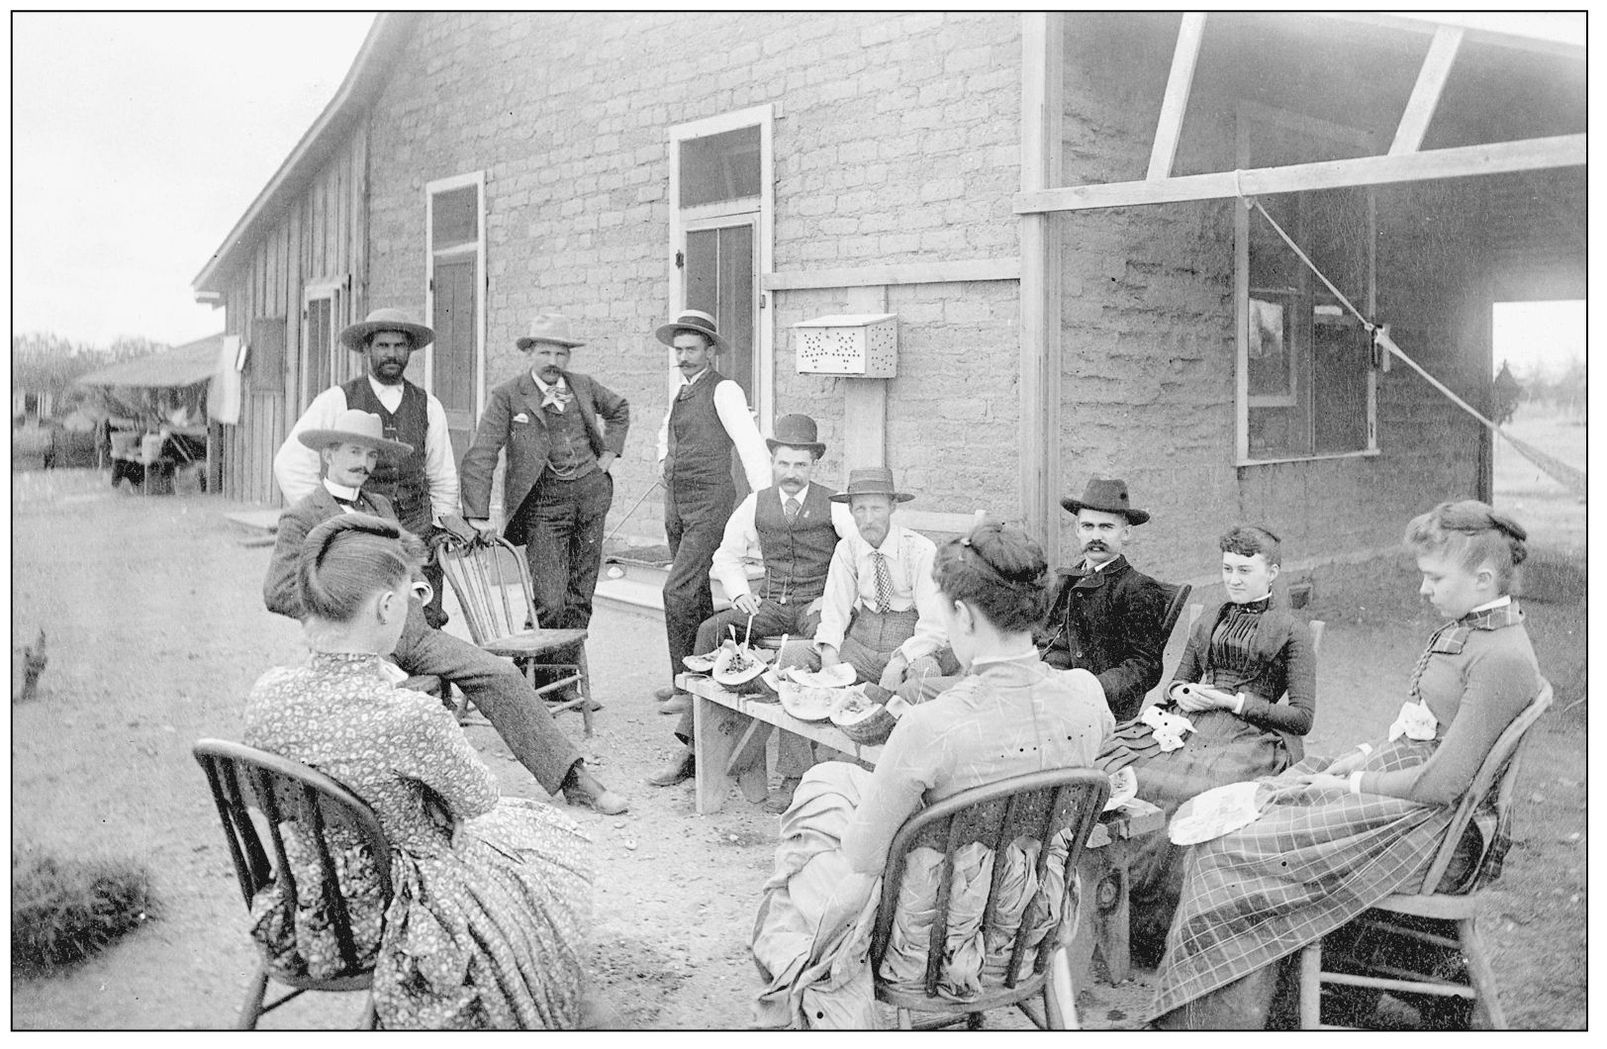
pixel 66 910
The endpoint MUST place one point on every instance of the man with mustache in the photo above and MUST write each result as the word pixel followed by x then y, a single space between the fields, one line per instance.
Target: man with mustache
pixel 795 527
pixel 708 418
pixel 1106 615
pixel 348 450
pixel 423 484
pixel 563 430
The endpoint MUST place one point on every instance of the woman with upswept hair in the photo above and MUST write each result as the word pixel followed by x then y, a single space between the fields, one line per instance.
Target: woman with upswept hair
pixel 491 895
pixel 1334 837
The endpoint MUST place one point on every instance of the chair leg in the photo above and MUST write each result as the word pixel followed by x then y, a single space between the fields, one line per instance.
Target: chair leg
pixel 1311 986
pixel 585 690
pixel 255 992
pixel 906 1019
pixel 1059 996
pixel 1487 1011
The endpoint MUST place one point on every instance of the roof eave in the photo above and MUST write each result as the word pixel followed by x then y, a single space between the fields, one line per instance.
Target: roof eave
pixel 356 91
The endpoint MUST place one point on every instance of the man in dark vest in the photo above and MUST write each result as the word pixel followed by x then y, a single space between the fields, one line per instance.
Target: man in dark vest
pixel 795 526
pixel 563 431
pixel 708 417
pixel 422 484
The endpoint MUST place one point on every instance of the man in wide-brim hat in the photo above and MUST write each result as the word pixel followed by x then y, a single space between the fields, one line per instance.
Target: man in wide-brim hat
pixel 421 483
pixel 349 448
pixel 1106 616
pixel 708 417
pixel 562 431
pixel 796 527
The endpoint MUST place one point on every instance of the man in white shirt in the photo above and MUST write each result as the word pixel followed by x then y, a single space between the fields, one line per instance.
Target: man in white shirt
pixel 707 419
pixel 423 484
pixel 881 610
pixel 795 527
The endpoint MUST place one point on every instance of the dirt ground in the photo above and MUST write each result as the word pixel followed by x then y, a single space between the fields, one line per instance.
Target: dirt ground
pixel 156 632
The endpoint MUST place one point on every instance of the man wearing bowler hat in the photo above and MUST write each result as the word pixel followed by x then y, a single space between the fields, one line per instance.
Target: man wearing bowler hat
pixel 708 418
pixel 1106 616
pixel 563 431
pixel 795 527
pixel 423 484
pixel 348 450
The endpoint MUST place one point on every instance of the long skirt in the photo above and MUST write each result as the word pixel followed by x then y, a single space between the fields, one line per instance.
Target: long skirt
pixel 1223 748
pixel 1314 860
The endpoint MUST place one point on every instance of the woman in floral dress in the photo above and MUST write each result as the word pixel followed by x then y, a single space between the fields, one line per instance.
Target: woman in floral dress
pixel 1335 837
pixel 491 896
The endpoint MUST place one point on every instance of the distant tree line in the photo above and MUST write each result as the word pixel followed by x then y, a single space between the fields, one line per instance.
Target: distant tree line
pixel 1562 390
pixel 45 365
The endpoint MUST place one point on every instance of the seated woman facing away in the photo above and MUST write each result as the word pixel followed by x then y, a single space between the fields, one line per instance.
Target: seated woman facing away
pixel 491 898
pixel 1247 682
pixel 1335 837
pixel 1010 714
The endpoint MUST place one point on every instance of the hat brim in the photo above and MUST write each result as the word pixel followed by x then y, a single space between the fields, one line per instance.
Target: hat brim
pixel 524 342
pixel 897 497
pixel 1137 517
pixel 318 440
pixel 666 334
pixel 355 336
pixel 812 446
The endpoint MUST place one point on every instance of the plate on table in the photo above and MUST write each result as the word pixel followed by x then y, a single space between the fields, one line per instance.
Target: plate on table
pixel 1123 787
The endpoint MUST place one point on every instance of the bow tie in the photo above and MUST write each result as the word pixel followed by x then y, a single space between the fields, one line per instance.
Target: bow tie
pixel 556 397
pixel 345 502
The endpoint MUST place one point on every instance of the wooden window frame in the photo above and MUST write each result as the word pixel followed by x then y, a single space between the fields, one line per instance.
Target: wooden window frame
pixel 432 190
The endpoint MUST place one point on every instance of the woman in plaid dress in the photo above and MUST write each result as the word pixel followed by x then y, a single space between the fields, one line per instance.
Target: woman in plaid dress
pixel 1247 682
pixel 1335 837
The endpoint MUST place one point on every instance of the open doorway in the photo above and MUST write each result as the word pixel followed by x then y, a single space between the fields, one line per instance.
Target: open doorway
pixel 1537 394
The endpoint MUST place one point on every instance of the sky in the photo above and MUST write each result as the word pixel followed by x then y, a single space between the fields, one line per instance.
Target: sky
pixel 138 140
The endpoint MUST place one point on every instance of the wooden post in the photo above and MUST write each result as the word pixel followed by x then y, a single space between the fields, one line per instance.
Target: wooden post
pixel 1175 103
pixel 1042 106
pixel 865 400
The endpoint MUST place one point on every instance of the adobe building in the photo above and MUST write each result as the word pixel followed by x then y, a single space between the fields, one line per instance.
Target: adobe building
pixel 1059 210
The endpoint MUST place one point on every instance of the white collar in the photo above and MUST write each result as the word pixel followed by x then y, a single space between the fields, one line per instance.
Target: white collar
pixel 340 491
pixel 1009 657
pixel 890 544
pixel 380 389
pixel 688 382
pixel 560 384
pixel 1503 600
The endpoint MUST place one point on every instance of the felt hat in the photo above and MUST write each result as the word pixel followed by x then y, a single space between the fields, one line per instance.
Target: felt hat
pixel 1108 496
pixel 796 431
pixel 549 327
pixel 691 320
pixel 355 426
pixel 871 480
pixel 355 336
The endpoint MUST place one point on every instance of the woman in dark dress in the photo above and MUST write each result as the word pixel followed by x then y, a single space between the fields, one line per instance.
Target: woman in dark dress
pixel 1247 682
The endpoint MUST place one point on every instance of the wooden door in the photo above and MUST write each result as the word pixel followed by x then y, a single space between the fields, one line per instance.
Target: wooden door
pixel 453 321
pixel 721 281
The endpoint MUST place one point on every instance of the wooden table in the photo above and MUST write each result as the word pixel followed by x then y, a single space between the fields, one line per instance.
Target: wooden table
pixel 730 732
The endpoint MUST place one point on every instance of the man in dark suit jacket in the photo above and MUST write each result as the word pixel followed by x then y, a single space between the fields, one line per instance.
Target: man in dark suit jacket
pixel 557 490
pixel 1106 616
pixel 347 452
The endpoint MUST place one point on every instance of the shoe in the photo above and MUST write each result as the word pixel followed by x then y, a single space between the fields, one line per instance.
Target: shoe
pixel 780 799
pixel 679 703
pixel 683 768
pixel 662 694
pixel 608 802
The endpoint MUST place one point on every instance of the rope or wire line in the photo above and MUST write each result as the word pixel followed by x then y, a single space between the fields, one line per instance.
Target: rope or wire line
pixel 1369 325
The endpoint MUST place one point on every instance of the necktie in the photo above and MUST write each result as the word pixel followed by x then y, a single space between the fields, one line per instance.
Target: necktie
pixel 884 582
pixel 345 502
pixel 791 509
pixel 556 397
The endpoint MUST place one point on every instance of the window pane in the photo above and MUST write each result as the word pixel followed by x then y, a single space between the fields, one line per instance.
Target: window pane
pixel 720 167
pixel 1340 359
pixel 319 337
pixel 455 218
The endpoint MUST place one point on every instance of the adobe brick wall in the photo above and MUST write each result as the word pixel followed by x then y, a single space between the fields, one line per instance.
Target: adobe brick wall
pixel 896 140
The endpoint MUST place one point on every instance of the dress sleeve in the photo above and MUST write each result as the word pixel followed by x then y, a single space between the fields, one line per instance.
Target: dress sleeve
pixel 295 466
pixel 902 777
pixel 1300 678
pixel 1192 666
pixel 432 749
pixel 1496 688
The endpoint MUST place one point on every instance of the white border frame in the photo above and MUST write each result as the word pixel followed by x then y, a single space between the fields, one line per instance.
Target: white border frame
pixel 761 211
pixel 482 277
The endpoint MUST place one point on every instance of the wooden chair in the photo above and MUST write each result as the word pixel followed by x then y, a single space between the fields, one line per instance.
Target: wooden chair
pixel 1423 900
pixel 243 778
pixel 492 584
pixel 1038 805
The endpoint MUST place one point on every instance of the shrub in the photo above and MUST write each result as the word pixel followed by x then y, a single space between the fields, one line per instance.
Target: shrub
pixel 64 911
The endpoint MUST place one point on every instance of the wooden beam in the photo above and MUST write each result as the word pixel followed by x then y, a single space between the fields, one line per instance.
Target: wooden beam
pixel 1042 110
pixel 1480 34
pixel 894 273
pixel 1178 84
pixel 1495 158
pixel 1426 92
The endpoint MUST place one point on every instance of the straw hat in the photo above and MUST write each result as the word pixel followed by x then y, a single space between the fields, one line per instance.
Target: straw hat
pixel 355 426
pixel 871 480
pixel 691 320
pixel 355 336
pixel 549 327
